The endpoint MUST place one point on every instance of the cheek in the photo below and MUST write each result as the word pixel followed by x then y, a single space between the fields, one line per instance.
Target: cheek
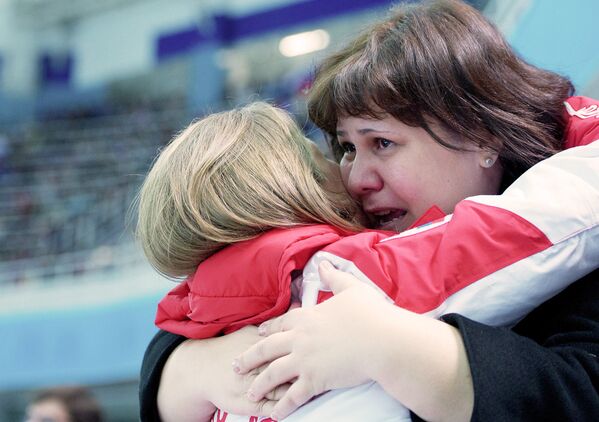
pixel 460 179
pixel 418 185
pixel 406 180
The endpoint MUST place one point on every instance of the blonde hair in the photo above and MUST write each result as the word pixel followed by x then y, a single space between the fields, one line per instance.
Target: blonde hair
pixel 230 177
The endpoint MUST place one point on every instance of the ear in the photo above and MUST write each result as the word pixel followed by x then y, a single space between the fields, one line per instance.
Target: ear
pixel 487 158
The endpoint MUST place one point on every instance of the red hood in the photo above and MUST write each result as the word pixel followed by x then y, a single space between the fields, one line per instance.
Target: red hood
pixel 254 283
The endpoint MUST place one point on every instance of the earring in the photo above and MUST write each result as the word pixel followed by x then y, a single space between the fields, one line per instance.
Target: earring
pixel 488 162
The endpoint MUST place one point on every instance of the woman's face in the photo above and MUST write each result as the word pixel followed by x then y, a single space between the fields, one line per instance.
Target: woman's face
pixel 397 172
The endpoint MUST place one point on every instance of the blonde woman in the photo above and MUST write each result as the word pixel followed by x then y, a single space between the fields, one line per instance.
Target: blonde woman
pixel 243 205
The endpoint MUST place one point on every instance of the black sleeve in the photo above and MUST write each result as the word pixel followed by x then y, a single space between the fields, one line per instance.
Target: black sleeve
pixel 157 353
pixel 546 368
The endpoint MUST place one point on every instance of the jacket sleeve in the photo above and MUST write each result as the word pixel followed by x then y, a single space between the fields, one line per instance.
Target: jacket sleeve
pixel 546 368
pixel 156 355
pixel 497 257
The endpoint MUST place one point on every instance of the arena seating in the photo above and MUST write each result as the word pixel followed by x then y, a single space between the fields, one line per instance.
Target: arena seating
pixel 66 191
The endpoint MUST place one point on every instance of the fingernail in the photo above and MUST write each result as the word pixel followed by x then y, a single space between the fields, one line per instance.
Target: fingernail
pixel 262 328
pixel 235 365
pixel 274 417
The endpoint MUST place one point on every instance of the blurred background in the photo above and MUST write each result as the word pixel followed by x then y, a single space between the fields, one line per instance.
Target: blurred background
pixel 89 92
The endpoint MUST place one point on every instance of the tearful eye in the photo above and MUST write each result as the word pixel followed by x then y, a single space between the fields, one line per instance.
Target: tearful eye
pixel 347 147
pixel 383 143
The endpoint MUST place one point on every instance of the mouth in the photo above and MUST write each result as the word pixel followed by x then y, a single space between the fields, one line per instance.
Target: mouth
pixel 389 219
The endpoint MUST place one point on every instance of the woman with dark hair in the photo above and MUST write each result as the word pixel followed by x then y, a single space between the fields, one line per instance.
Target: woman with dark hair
pixel 409 106
pixel 445 64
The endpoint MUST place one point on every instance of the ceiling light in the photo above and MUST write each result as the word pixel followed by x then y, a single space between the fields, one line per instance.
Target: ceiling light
pixel 304 43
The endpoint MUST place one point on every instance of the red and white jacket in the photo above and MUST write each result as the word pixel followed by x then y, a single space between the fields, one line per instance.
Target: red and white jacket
pixel 494 259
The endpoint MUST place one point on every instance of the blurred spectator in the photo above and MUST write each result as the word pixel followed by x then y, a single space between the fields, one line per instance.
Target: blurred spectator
pixel 64 404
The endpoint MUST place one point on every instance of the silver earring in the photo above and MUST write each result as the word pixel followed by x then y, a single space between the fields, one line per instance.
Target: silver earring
pixel 488 162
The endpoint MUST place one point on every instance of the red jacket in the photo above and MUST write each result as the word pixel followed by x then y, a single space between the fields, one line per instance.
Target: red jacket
pixel 494 259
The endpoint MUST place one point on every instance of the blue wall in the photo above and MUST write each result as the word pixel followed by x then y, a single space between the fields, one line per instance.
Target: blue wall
pixel 96 345
pixel 561 36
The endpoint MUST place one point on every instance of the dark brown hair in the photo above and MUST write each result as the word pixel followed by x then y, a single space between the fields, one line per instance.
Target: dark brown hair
pixel 444 60
pixel 78 401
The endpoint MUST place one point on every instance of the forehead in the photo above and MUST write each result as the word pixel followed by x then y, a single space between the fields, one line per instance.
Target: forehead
pixel 386 123
pixel 364 124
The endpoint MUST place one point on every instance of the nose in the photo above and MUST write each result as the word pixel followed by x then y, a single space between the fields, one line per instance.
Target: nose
pixel 361 177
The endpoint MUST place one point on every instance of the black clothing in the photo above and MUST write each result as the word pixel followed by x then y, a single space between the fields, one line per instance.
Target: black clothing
pixel 549 372
pixel 157 353
pixel 545 369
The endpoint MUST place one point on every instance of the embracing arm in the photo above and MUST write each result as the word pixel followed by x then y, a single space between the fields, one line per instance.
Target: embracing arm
pixel 180 395
pixel 424 365
pixel 547 368
pixel 171 380
pixel 157 353
pixel 185 380
pixel 418 360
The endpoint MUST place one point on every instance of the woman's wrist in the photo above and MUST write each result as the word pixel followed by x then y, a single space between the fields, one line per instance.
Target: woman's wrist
pixel 424 365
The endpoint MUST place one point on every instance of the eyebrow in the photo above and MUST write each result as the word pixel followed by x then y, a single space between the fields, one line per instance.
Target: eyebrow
pixel 363 131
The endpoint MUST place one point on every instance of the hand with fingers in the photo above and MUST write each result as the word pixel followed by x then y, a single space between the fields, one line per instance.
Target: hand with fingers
pixel 198 378
pixel 329 346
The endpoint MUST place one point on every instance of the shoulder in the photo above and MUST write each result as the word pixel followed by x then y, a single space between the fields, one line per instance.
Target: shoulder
pixel 582 116
pixel 237 266
pixel 574 311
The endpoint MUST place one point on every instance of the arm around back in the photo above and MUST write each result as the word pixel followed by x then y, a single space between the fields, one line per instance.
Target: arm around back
pixel 547 368
pixel 157 353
